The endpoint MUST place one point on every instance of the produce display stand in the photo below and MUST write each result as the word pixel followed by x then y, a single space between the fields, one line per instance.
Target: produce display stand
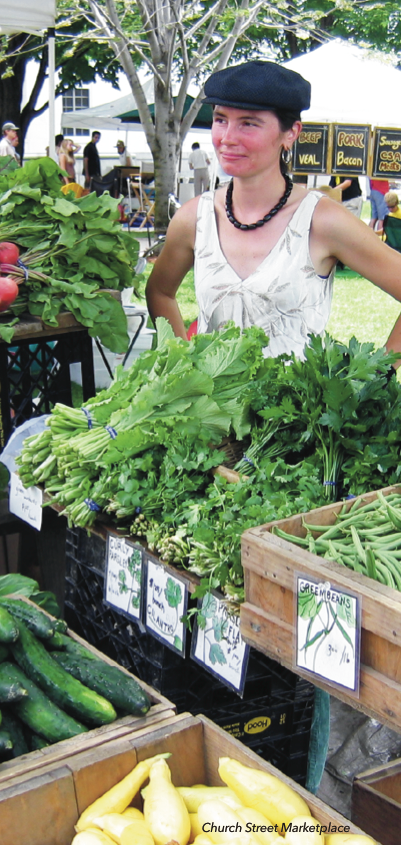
pixel 160 708
pixel 44 806
pixel 376 802
pixel 268 615
pixel 35 369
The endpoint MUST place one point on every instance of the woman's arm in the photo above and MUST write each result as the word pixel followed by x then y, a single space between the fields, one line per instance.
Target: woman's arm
pixel 176 258
pixel 338 234
pixel 63 162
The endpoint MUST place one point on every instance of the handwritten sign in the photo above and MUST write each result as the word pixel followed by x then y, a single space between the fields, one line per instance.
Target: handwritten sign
pixel 386 153
pixel 350 149
pixel 26 503
pixel 328 632
pixel 217 643
pixel 311 148
pixel 166 603
pixel 123 582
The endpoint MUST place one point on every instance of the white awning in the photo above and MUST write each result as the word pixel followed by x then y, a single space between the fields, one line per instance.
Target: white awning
pixel 26 15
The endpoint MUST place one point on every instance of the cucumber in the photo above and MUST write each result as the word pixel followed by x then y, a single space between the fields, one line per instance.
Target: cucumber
pixel 60 625
pixel 55 643
pixel 35 619
pixel 73 647
pixel 124 692
pixel 5 742
pixel 62 688
pixel 37 742
pixel 4 652
pixel 14 728
pixel 8 627
pixel 10 689
pixel 40 714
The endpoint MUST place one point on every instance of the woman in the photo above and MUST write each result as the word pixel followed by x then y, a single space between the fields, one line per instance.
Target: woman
pixel 264 250
pixel 66 159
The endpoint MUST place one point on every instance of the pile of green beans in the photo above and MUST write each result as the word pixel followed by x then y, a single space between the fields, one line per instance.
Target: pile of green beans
pixel 366 538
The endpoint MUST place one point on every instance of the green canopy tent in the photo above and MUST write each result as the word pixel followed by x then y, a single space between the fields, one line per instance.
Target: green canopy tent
pixel 203 119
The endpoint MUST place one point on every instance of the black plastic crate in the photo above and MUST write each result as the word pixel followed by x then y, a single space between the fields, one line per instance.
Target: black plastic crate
pixel 273 695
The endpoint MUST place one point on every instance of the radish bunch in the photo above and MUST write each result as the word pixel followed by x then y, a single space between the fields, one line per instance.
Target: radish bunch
pixel 9 254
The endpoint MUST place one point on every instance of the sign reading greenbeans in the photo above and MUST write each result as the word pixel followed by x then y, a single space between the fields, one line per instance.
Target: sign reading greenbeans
pixel 366 538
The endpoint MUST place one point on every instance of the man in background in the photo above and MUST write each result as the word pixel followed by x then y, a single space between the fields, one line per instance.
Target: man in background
pixel 125 158
pixel 9 140
pixel 198 162
pixel 91 160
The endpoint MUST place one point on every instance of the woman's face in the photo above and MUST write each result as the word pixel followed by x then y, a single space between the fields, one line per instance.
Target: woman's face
pixel 246 141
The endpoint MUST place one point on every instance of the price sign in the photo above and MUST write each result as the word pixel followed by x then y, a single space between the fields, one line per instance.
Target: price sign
pixel 26 503
pixel 386 153
pixel 310 149
pixel 166 604
pixel 217 643
pixel 350 150
pixel 123 582
pixel 328 633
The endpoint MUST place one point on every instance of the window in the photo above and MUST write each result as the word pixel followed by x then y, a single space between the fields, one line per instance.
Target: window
pixel 75 99
pixel 70 130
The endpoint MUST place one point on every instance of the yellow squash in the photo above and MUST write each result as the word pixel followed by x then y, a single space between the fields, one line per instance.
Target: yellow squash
pixel 223 824
pixel 196 829
pixel 133 813
pixel 116 799
pixel 194 796
pixel 137 833
pixel 92 837
pixel 262 791
pixel 164 808
pixel 203 839
pixel 113 824
pixel 303 830
pixel 348 839
pixel 254 821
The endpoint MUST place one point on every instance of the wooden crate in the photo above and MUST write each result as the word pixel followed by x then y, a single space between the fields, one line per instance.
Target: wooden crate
pixel 43 807
pixel 159 709
pixel 376 802
pixel 268 614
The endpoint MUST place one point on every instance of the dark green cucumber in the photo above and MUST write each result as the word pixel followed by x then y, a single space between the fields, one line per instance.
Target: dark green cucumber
pixel 62 688
pixel 122 690
pixel 5 742
pixel 8 627
pixel 37 621
pixel 37 742
pixel 55 643
pixel 75 648
pixel 4 652
pixel 14 727
pixel 40 714
pixel 60 625
pixel 10 689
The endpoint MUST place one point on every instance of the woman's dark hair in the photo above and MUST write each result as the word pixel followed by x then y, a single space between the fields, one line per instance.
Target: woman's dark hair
pixel 286 120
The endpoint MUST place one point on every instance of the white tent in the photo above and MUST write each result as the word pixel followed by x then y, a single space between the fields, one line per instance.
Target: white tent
pixel 350 85
pixel 105 116
pixel 28 16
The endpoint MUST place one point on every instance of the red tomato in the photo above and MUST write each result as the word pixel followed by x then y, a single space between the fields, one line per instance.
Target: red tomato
pixel 8 292
pixel 9 253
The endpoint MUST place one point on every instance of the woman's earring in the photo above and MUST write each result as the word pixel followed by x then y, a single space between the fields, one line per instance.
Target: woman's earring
pixel 286 156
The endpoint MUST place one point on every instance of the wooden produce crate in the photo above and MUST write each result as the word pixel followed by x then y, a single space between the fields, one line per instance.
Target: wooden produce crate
pixel 376 802
pixel 43 807
pixel 160 708
pixel 268 614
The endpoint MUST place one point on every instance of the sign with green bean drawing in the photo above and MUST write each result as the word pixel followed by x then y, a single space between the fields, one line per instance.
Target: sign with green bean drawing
pixel 123 582
pixel 328 632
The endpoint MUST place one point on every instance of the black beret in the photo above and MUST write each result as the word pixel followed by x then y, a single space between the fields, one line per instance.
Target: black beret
pixel 258 85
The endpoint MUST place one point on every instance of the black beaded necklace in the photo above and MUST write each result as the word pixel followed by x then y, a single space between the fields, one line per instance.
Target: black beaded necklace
pixel 266 218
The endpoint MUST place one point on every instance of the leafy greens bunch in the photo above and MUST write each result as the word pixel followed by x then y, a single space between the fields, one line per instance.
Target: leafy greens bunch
pixel 75 250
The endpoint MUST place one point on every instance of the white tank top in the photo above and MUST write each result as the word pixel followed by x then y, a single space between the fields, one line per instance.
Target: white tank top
pixel 284 295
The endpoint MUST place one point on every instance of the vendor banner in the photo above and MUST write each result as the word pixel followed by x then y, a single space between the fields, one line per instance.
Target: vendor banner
pixel 386 153
pixel 310 150
pixel 350 149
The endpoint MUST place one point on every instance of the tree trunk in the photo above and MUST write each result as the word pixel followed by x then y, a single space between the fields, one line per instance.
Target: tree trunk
pixel 165 150
pixel 11 89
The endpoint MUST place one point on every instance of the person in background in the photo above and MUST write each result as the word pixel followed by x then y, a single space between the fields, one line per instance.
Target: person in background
pixel 378 188
pixel 10 135
pixel 125 158
pixel 393 209
pixel 91 159
pixel 66 158
pixel 198 162
pixel 264 250
pixel 351 194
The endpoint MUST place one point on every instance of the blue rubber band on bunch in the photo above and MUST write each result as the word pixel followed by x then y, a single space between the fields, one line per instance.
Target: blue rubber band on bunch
pixel 138 509
pixel 113 433
pixel 329 483
pixel 92 505
pixel 88 417
pixel 248 460
pixel 24 268
pixel 351 496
